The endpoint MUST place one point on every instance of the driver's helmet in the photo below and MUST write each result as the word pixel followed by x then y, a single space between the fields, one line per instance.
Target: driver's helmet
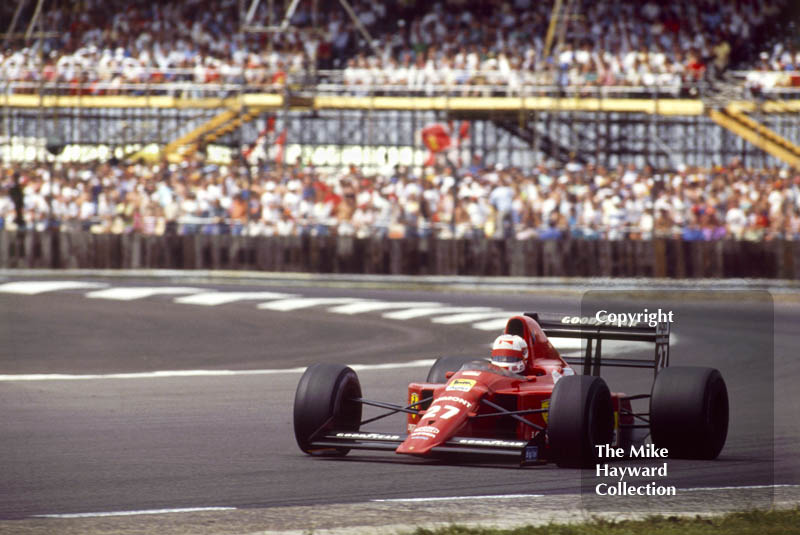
pixel 510 352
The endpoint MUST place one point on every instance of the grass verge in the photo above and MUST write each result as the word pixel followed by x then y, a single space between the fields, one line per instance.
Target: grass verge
pixel 785 522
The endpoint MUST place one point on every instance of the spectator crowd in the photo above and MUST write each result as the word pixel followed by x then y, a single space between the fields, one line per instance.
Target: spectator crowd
pixel 548 202
pixel 107 47
pixel 469 47
pixel 777 69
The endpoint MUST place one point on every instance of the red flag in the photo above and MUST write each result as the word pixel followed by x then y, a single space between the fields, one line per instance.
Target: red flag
pixel 262 136
pixel 436 137
pixel 463 131
pixel 280 142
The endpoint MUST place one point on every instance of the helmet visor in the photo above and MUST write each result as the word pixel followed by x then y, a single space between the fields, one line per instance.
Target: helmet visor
pixel 506 359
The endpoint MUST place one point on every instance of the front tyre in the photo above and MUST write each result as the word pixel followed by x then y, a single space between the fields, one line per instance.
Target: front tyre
pixel 323 401
pixel 581 417
pixel 689 412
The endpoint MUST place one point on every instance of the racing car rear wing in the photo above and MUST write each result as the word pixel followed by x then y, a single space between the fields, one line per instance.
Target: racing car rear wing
pixel 594 332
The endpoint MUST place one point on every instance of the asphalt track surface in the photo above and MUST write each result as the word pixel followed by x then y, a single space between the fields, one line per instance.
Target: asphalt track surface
pixel 152 443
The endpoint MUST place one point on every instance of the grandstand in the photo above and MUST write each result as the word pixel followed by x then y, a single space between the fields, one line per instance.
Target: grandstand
pixel 503 119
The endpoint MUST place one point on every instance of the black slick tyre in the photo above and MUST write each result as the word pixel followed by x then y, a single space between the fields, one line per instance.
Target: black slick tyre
pixel 689 412
pixel 322 402
pixel 580 417
pixel 443 365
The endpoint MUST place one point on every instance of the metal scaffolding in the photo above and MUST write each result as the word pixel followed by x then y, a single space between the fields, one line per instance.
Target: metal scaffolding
pixel 331 136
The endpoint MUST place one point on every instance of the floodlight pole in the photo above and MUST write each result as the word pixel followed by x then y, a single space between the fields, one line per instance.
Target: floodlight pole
pixel 551 29
pixel 251 12
pixel 36 14
pixel 364 32
pixel 14 20
pixel 289 14
pixel 563 28
pixel 271 28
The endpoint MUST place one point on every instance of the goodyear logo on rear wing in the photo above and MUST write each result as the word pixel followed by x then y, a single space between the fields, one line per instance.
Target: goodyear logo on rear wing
pixel 490 442
pixel 658 319
pixel 586 320
pixel 461 385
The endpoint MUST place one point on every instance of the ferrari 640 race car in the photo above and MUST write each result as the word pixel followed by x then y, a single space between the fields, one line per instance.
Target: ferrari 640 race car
pixel 545 412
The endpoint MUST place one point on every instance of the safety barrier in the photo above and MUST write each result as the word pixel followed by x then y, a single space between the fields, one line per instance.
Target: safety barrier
pixel 673 258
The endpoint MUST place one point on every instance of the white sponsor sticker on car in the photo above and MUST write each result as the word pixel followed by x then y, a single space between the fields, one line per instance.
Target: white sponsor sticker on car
pixel 461 385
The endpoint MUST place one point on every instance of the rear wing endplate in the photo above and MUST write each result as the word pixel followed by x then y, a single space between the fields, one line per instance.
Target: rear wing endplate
pixel 594 332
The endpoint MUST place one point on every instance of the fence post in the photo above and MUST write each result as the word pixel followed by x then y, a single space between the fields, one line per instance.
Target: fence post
pixel 442 256
pixel 631 258
pixel 64 251
pixel 680 257
pixel 316 254
pixel 369 246
pixel 103 260
pixel 136 251
pixel 343 254
pixel 45 250
pixel 395 257
pixel 659 258
pixel 647 258
pixel 276 247
pixel 534 261
pixel 30 258
pixel 4 242
pixel 517 257
pixel 605 258
pixel 785 264
pixel 551 259
pixel 277 252
pixel 187 251
pixel 718 264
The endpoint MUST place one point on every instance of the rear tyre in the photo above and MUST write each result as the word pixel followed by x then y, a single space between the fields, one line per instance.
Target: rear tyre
pixel 323 402
pixel 581 416
pixel 689 412
pixel 443 365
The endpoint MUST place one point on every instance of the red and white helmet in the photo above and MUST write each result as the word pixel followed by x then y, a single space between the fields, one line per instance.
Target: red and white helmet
pixel 510 351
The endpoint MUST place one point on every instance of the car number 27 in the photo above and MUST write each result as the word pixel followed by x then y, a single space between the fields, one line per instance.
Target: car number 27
pixel 449 411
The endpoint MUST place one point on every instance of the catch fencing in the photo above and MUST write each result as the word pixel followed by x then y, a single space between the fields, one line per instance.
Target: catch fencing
pixel 662 257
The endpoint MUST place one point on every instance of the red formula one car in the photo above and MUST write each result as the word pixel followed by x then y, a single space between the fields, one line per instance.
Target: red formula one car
pixel 543 413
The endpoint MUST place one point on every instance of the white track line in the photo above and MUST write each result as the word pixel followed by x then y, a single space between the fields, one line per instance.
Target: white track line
pixel 491 325
pixel 211 299
pixel 577 344
pixel 412 313
pixel 134 513
pixel 700 489
pixel 37 287
pixel 473 316
pixel 374 306
pixel 567 343
pixel 389 366
pixel 286 305
pixel 129 294
pixel 454 498
pixel 424 363
pixel 377 500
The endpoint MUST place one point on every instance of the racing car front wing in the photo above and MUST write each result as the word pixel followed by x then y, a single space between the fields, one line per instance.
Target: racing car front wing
pixel 525 451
